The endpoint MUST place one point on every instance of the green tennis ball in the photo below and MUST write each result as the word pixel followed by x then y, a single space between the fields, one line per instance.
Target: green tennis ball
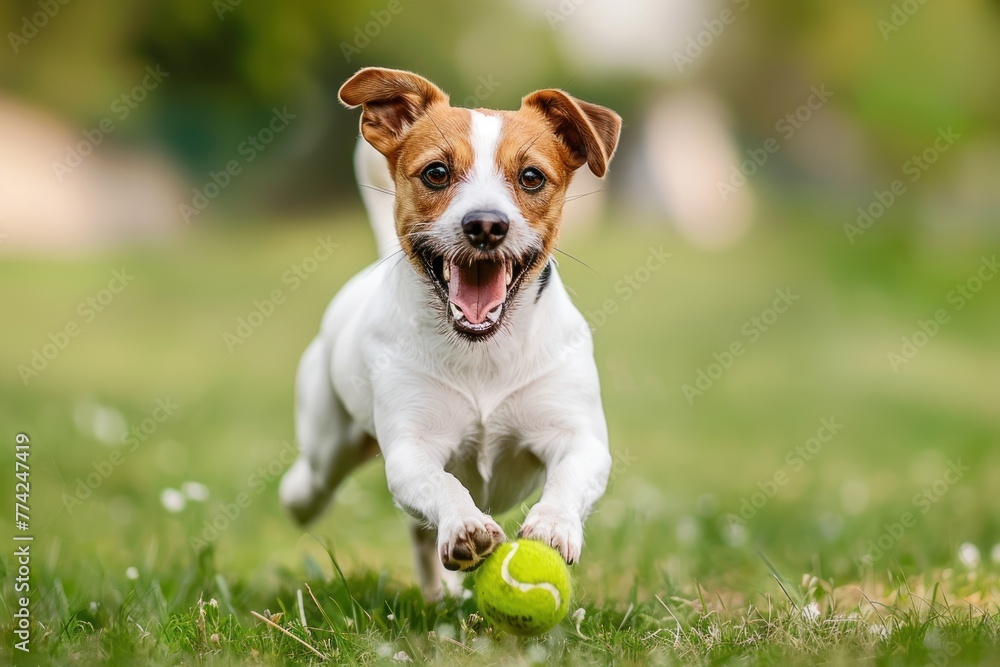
pixel 523 587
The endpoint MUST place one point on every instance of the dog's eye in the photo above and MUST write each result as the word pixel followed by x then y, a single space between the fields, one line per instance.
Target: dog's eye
pixel 532 179
pixel 436 176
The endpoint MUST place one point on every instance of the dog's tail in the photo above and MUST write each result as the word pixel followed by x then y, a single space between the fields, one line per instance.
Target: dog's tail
pixel 376 185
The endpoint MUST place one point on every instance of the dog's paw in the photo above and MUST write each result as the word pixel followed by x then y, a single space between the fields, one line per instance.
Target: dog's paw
pixel 465 541
pixel 557 528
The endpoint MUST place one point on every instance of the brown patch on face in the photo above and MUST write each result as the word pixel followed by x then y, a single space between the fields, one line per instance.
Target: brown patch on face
pixel 589 131
pixel 441 135
pixel 528 142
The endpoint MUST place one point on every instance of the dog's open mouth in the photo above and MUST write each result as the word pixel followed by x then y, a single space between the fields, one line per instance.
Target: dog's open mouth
pixel 477 292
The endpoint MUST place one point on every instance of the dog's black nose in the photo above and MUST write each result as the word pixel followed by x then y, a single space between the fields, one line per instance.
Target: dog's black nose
pixel 485 229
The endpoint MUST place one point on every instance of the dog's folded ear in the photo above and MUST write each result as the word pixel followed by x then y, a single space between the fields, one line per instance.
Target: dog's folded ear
pixel 589 131
pixel 391 100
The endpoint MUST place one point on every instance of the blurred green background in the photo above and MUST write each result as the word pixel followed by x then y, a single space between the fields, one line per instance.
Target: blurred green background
pixel 820 107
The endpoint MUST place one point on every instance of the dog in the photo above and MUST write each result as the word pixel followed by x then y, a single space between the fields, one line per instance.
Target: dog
pixel 459 355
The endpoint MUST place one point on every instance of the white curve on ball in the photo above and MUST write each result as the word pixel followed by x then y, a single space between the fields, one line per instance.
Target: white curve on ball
pixel 522 586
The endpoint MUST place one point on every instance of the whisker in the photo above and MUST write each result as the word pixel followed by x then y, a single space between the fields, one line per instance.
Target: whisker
pixel 429 232
pixel 585 194
pixel 581 262
pixel 376 189
pixel 451 149
pixel 388 257
pixel 425 228
pixel 524 149
pixel 397 263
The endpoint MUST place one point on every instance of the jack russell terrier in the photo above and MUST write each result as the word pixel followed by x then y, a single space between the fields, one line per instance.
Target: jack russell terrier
pixel 466 365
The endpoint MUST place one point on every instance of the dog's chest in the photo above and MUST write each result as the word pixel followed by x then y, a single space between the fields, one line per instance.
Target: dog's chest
pixel 496 468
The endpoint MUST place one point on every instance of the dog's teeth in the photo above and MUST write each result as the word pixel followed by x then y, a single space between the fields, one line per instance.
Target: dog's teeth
pixel 447 272
pixel 510 274
pixel 494 314
pixel 456 312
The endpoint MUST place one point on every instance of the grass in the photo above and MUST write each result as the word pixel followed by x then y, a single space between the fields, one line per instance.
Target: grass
pixel 667 576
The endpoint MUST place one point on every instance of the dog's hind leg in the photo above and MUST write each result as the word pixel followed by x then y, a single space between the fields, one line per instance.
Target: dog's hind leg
pixel 435 581
pixel 331 445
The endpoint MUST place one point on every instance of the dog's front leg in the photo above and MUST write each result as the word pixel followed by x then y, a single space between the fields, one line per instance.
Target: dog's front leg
pixel 420 485
pixel 577 474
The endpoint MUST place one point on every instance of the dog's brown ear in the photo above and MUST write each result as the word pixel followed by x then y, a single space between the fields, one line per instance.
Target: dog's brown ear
pixel 391 100
pixel 588 130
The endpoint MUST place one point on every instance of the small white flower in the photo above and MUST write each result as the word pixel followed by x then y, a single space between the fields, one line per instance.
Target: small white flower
pixel 688 530
pixel 878 630
pixel 390 617
pixel 854 496
pixel 968 554
pixel 446 630
pixel 132 573
pixel 195 491
pixel 735 534
pixel 402 656
pixel 577 619
pixel 108 425
pixel 172 500
pixel 811 612
pixel 536 654
pixel 101 422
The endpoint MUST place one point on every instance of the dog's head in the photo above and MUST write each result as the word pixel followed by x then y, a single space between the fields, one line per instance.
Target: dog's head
pixel 479 193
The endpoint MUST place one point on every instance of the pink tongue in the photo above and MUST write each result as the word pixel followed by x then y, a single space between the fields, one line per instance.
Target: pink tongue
pixel 477 289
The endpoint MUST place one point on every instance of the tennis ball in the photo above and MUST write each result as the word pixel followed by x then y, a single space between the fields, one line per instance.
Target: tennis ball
pixel 523 587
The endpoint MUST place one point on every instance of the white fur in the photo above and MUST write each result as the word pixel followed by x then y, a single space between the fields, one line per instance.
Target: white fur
pixel 372 172
pixel 466 429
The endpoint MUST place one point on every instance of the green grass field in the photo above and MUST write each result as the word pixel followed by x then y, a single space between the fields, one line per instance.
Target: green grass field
pixel 868 516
